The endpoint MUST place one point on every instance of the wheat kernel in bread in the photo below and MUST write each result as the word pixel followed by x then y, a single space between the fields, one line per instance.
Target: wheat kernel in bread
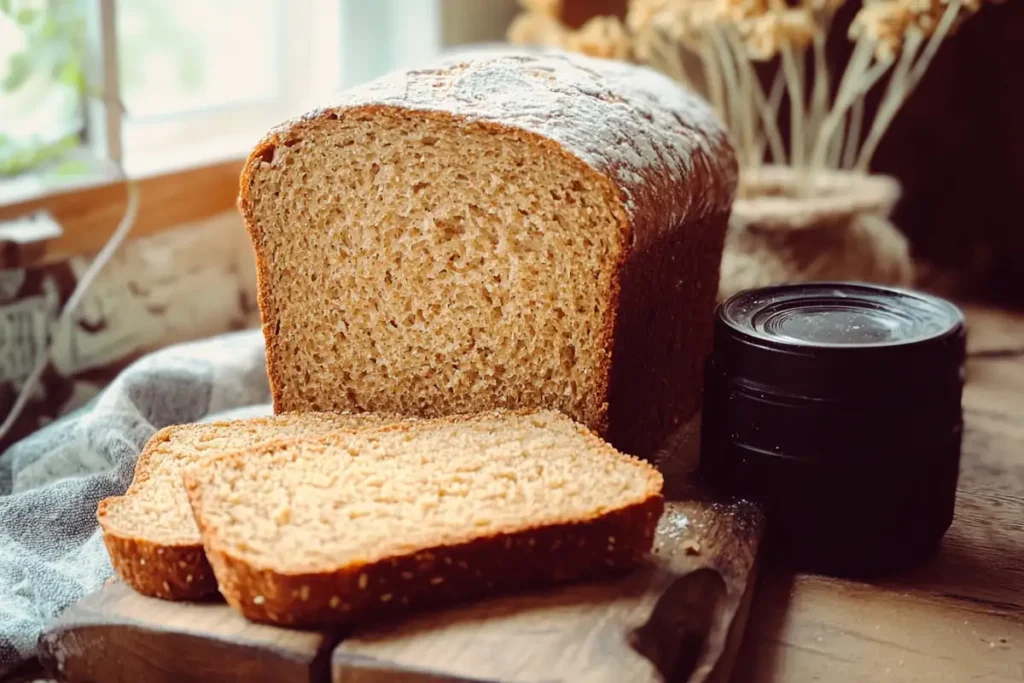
pixel 418 514
pixel 501 231
pixel 150 532
pixel 400 284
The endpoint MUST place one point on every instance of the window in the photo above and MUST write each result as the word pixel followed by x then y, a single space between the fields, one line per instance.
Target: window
pixel 42 74
pixel 91 86
pixel 200 80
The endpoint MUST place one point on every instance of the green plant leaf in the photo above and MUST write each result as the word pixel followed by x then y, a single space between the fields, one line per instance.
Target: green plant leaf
pixel 22 159
pixel 26 16
pixel 50 29
pixel 71 74
pixel 70 168
pixel 19 67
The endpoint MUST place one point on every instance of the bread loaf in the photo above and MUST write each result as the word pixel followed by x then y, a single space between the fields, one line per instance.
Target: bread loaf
pixel 149 532
pixel 502 231
pixel 349 526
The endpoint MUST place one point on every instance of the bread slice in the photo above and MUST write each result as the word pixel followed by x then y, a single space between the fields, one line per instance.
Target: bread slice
pixel 343 527
pixel 149 532
pixel 499 231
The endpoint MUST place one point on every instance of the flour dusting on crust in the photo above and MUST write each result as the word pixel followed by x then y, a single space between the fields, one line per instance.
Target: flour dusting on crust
pixel 661 144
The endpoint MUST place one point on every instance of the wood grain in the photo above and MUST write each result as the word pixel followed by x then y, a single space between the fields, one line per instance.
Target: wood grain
pixel 677 618
pixel 119 636
pixel 89 216
pixel 808 628
pixel 958 616
pixel 668 621
pixel 993 332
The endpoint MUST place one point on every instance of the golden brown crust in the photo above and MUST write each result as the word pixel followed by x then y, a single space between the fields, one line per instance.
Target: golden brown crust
pixel 608 544
pixel 170 572
pixel 173 571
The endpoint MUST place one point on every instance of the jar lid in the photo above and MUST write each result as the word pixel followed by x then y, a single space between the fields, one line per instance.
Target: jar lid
pixel 841 341
pixel 837 405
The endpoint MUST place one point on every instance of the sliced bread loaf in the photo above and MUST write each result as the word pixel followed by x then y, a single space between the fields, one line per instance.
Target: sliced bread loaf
pixel 504 230
pixel 150 533
pixel 347 526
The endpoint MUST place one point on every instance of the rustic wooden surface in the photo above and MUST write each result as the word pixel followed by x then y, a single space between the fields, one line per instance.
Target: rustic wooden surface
pixel 119 636
pixel 669 621
pixel 957 617
pixel 678 618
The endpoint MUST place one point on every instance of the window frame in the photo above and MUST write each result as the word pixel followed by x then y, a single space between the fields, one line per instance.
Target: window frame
pixel 202 181
pixel 116 145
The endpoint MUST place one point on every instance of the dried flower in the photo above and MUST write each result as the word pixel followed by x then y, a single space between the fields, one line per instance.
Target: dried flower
pixel 764 35
pixel 887 22
pixel 644 14
pixel 822 6
pixel 601 37
pixel 679 20
pixel 534 28
pixel 726 36
pixel 740 10
pixel 551 8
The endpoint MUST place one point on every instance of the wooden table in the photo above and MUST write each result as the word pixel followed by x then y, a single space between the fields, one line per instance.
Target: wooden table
pixel 959 616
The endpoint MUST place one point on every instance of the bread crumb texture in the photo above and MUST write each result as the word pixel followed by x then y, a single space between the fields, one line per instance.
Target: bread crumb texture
pixel 425 266
pixel 150 531
pixel 342 526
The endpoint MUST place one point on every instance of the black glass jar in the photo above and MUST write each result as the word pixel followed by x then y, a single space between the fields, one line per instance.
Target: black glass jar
pixel 837 405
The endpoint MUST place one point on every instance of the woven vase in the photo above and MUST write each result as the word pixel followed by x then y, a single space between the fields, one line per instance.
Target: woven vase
pixel 833 225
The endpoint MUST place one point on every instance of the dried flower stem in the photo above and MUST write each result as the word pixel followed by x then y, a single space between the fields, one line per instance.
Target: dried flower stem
pixel 941 31
pixel 819 96
pixel 766 109
pixel 904 79
pixel 854 97
pixel 747 78
pixel 835 145
pixel 713 76
pixel 795 87
pixel 740 93
pixel 729 79
pixel 731 37
pixel 774 103
pixel 849 156
pixel 855 68
pixel 667 58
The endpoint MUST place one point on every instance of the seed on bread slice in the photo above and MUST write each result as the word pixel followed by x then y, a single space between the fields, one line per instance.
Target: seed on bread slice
pixel 150 533
pixel 342 527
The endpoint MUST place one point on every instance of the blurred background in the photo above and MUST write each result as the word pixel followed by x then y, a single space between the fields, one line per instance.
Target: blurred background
pixel 151 83
pixel 170 95
pixel 130 118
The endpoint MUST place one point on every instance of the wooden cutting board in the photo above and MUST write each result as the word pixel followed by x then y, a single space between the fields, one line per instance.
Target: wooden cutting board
pixel 679 618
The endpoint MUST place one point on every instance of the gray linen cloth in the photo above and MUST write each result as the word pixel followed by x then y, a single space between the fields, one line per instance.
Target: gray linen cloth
pixel 51 552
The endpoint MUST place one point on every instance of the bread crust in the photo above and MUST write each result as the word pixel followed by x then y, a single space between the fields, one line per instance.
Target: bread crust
pixel 169 570
pixel 606 545
pixel 674 211
pixel 609 543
